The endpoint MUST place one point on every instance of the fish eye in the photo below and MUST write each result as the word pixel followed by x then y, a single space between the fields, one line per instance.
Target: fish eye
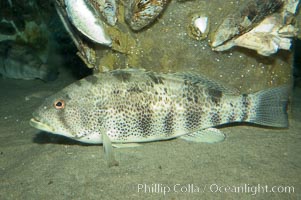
pixel 59 104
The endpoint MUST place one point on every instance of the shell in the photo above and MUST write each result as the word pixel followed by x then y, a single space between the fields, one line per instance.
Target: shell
pixel 244 20
pixel 107 9
pixel 85 20
pixel 141 13
pixel 199 27
pixel 87 54
pixel 267 36
pixel 110 12
pixel 291 6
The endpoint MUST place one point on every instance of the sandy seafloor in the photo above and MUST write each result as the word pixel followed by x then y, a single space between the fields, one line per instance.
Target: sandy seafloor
pixel 37 165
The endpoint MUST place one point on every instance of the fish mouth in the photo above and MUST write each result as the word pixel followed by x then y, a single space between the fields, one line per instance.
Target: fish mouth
pixel 36 123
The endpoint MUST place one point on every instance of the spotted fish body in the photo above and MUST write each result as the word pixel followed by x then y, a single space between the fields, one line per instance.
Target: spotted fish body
pixel 141 13
pixel 139 106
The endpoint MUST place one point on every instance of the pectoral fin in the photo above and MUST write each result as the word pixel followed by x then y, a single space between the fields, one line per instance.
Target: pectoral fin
pixel 210 135
pixel 108 149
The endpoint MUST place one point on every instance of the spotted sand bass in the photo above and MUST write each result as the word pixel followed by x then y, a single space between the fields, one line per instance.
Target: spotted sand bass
pixel 131 106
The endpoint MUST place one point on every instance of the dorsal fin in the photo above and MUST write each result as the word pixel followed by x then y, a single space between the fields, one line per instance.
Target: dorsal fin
pixel 193 78
pixel 207 82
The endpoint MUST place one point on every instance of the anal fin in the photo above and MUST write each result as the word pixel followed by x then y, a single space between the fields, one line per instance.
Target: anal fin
pixel 209 135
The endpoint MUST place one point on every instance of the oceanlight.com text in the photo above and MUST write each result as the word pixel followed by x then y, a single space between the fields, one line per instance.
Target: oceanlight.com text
pixel 213 188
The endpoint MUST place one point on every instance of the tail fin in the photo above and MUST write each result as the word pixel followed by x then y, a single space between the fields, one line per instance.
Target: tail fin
pixel 271 107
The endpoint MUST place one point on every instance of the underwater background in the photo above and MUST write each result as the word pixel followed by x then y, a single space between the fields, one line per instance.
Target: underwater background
pixel 39 165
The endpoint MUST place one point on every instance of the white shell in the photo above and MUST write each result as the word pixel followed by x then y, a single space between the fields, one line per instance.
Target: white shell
pixel 199 27
pixel 272 34
pixel 201 23
pixel 83 18
pixel 265 38
pixel 243 20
